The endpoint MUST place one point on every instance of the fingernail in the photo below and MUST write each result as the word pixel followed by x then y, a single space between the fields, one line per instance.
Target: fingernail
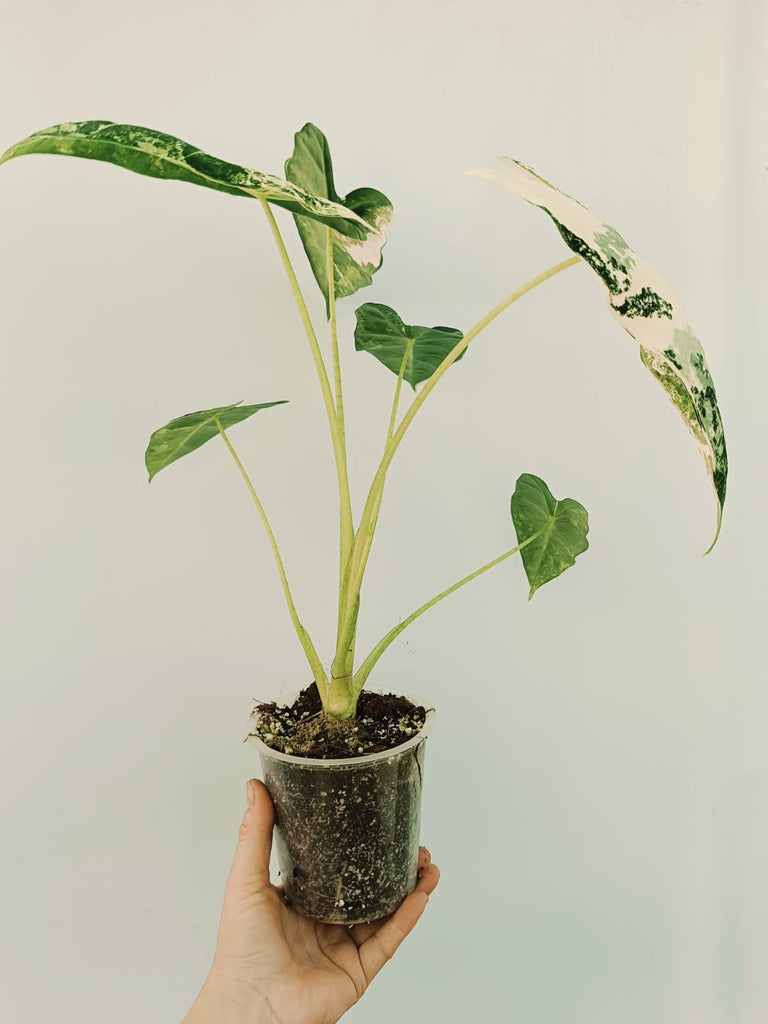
pixel 250 792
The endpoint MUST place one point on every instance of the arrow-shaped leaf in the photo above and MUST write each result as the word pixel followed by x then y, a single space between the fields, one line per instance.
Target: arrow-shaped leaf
pixel 561 526
pixel 187 433
pixel 380 331
pixel 158 155
pixel 645 306
pixel 354 261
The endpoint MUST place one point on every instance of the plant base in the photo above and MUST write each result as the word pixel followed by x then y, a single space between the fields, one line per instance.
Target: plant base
pixel 347 832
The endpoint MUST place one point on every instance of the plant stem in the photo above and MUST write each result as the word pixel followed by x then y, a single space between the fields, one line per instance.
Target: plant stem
pixel 304 638
pixel 337 438
pixel 340 701
pixel 398 388
pixel 348 614
pixel 364 536
pixel 334 337
pixel 365 669
pixel 346 526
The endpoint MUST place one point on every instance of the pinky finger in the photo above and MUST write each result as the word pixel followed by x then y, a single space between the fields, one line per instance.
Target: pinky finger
pixel 382 945
pixel 428 879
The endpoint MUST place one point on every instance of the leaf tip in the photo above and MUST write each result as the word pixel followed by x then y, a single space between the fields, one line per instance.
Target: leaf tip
pixel 717 530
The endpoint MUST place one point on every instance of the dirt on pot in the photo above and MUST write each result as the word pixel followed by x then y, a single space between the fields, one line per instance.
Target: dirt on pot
pixel 383 722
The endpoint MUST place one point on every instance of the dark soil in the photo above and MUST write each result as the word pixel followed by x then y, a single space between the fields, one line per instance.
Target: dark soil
pixel 383 722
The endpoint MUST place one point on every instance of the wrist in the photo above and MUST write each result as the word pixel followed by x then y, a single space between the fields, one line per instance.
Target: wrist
pixel 224 1001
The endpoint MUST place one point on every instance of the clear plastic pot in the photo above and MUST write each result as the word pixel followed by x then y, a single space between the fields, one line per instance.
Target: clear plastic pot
pixel 347 832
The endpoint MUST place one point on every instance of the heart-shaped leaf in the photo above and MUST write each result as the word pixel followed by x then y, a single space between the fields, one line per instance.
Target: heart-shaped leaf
pixel 380 331
pixel 187 433
pixel 561 526
pixel 645 306
pixel 354 261
pixel 163 156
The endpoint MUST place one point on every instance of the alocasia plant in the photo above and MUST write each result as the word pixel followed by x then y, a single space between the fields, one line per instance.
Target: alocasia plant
pixel 343 237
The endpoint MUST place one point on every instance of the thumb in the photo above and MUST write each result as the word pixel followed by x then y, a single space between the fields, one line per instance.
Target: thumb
pixel 250 868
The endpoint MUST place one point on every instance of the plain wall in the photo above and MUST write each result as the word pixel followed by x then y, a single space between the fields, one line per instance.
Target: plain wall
pixel 596 782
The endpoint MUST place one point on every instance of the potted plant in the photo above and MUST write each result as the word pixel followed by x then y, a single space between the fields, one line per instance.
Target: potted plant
pixel 344 765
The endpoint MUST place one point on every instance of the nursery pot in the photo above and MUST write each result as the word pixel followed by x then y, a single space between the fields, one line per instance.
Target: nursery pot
pixel 347 830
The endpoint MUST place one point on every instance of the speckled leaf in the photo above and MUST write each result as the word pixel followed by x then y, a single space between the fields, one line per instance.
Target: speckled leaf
pixel 354 261
pixel 645 306
pixel 187 433
pixel 380 331
pixel 563 524
pixel 163 156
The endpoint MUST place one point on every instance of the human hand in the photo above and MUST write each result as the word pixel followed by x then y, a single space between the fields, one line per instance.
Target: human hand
pixel 274 966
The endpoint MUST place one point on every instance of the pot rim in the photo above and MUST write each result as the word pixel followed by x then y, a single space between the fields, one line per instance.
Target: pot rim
pixel 346 762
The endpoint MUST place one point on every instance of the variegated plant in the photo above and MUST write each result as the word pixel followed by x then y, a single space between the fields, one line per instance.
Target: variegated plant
pixel 643 303
pixel 343 237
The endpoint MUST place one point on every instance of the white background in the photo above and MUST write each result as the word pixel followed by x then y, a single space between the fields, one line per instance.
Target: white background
pixel 596 783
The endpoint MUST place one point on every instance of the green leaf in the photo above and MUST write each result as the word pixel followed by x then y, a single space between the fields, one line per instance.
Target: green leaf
pixel 380 331
pixel 645 306
pixel 354 262
pixel 561 526
pixel 187 433
pixel 158 155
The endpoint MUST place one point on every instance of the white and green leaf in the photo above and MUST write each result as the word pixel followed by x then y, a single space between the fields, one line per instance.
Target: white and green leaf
pixel 355 261
pixel 558 527
pixel 645 306
pixel 158 155
pixel 187 433
pixel 380 331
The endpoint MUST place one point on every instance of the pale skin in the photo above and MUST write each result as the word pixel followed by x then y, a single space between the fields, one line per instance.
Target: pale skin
pixel 274 966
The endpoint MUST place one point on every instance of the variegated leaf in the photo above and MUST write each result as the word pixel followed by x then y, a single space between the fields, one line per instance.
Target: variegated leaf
pixel 354 261
pixel 187 433
pixel 645 306
pixel 561 524
pixel 158 155
pixel 380 331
